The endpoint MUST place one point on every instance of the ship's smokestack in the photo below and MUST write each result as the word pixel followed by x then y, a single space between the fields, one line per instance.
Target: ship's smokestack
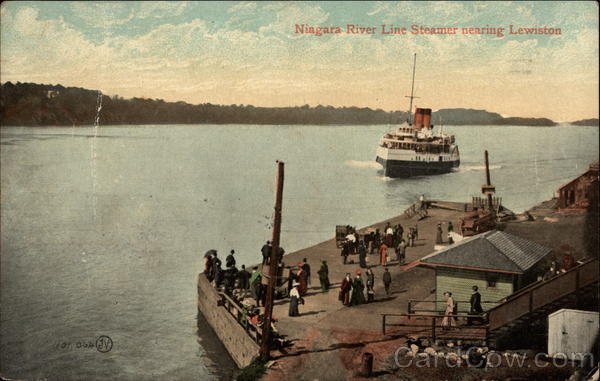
pixel 422 118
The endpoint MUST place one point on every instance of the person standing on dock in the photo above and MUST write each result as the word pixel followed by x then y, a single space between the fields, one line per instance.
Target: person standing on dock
pixel 255 285
pixel 345 289
pixel 358 287
pixel 295 299
pixel 345 251
pixel 266 252
pixel 423 205
pixel 475 302
pixel 370 285
pixel 302 280
pixel 306 269
pixel 389 235
pixel 383 252
pixel 244 278
pixel 230 260
pixel 438 237
pixel 387 281
pixel 216 270
pixel 324 276
pixel 411 237
pixel 401 252
pixel 367 240
pixel 370 248
pixel 362 255
pixel 208 266
pixel 399 232
pixel 448 321
pixel 229 278
pixel 376 241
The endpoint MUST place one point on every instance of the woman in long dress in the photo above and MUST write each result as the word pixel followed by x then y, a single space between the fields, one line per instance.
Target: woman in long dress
pixel 362 255
pixel 370 285
pixel 345 290
pixel 302 280
pixel 358 287
pixel 438 236
pixel 294 300
pixel 449 320
pixel 383 254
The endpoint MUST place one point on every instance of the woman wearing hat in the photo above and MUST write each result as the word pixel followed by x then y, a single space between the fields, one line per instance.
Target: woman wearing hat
pixel 345 290
pixel 358 295
pixel 295 298
pixel 449 320
pixel 302 279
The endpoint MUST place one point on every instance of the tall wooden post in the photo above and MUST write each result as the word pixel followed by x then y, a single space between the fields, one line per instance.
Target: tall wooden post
pixel 488 188
pixel 273 266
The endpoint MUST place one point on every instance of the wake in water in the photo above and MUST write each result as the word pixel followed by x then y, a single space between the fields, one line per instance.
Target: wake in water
pixel 363 164
pixel 468 168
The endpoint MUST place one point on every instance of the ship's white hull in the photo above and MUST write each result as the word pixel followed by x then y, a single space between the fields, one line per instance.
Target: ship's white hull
pixel 408 163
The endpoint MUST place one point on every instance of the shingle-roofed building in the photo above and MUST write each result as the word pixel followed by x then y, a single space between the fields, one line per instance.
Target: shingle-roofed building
pixel 525 254
pixel 498 263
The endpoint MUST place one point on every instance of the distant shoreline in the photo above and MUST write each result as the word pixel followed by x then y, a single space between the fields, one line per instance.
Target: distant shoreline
pixel 146 125
pixel 38 105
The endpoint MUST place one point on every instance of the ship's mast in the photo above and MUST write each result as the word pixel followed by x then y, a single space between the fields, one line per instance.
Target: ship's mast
pixel 412 91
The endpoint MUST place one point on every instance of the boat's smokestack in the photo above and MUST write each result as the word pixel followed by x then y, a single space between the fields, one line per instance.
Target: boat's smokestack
pixel 422 118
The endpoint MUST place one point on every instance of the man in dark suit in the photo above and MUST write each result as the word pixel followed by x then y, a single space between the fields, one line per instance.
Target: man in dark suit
pixel 306 267
pixel 475 306
pixel 266 252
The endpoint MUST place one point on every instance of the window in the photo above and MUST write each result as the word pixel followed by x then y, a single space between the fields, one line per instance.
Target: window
pixel 491 281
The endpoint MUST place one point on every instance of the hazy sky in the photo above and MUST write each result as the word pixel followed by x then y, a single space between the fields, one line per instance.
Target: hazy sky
pixel 249 53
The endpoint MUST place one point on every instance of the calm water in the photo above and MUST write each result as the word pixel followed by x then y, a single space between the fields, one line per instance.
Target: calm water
pixel 103 231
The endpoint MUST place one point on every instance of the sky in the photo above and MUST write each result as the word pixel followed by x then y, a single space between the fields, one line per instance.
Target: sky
pixel 250 53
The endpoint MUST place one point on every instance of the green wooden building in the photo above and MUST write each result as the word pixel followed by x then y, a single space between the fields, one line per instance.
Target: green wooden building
pixel 496 262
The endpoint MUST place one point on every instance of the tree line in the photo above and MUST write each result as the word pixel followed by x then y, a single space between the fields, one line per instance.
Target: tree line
pixel 30 104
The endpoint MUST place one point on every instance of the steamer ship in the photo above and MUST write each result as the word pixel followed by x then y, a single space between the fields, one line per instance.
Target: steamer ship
pixel 414 150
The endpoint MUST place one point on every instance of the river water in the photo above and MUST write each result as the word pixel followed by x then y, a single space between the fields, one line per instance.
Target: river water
pixel 103 230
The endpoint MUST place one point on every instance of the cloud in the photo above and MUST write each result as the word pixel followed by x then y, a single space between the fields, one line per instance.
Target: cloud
pixel 242 7
pixel 102 14
pixel 379 7
pixel 289 14
pixel 160 9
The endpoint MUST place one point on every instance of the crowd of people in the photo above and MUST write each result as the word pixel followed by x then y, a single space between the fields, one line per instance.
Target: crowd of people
pixel 243 285
pixel 381 243
pixel 352 290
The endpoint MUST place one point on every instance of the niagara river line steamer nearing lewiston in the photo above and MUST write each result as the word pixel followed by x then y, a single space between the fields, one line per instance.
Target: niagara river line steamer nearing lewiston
pixel 413 149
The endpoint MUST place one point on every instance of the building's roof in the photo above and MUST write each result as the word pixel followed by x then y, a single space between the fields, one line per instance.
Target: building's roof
pixel 493 251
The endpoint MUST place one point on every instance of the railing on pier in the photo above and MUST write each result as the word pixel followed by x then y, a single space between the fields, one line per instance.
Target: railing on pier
pixel 241 316
pixel 434 330
pixel 541 294
pixel 413 305
pixel 482 203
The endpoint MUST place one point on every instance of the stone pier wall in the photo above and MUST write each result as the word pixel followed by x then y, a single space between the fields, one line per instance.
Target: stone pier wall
pixel 238 343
